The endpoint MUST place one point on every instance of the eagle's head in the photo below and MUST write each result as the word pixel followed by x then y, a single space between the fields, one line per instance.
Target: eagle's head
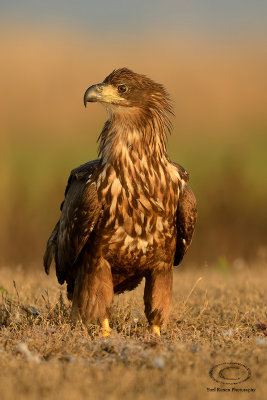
pixel 124 89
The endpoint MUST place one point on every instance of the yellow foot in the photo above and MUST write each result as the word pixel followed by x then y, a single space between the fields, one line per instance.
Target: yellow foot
pixel 105 328
pixel 156 330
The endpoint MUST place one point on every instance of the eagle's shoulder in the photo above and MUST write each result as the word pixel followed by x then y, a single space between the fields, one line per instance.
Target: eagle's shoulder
pixel 184 175
pixel 81 173
pixel 85 168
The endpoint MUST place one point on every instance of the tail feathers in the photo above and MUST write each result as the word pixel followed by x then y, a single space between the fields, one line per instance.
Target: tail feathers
pixel 50 251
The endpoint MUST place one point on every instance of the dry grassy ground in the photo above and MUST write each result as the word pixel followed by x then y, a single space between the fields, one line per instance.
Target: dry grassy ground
pixel 219 318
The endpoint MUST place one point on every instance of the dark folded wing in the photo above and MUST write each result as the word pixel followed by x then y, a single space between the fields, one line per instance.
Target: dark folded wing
pixel 79 214
pixel 186 217
pixel 50 250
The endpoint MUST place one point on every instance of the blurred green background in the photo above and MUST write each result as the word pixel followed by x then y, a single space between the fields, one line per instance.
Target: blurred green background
pixel 212 58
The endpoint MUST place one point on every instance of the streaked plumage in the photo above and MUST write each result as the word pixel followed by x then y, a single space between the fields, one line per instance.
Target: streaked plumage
pixel 128 215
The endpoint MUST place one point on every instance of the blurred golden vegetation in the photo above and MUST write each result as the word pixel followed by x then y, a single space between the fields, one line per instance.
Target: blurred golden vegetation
pixel 219 90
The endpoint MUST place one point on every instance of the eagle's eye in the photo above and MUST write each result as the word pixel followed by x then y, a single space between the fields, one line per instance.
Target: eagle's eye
pixel 122 88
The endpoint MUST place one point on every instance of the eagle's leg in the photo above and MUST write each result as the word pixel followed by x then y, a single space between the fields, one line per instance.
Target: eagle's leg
pixel 157 296
pixel 93 293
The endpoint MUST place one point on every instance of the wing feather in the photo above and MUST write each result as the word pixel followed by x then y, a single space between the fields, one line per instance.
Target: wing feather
pixel 80 212
pixel 186 217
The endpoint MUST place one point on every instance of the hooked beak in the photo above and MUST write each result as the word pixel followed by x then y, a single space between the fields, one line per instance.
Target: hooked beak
pixel 93 93
pixel 103 93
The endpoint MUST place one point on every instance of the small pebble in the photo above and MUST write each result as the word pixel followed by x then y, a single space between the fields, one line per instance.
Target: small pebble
pixel 260 340
pixel 23 349
pixel 229 332
pixel 159 362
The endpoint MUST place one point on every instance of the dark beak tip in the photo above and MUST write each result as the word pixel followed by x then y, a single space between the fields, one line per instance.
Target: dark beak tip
pixel 85 98
pixel 92 94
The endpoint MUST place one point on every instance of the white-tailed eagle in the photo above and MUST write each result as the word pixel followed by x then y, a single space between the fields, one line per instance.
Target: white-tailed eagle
pixel 129 214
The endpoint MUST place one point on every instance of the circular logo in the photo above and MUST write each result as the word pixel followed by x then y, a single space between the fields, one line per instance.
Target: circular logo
pixel 230 373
